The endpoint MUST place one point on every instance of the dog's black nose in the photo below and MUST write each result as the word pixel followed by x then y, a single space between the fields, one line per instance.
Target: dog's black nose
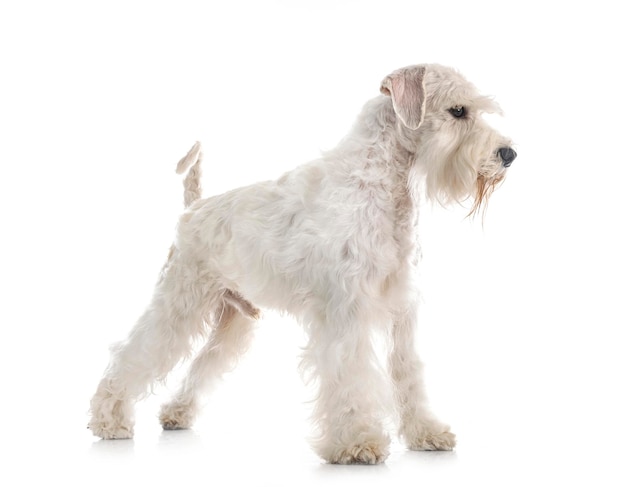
pixel 507 155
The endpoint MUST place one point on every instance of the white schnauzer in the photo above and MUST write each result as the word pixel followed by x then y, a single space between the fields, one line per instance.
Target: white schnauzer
pixel 334 244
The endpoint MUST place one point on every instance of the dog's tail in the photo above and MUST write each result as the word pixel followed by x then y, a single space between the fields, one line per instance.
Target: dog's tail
pixel 191 163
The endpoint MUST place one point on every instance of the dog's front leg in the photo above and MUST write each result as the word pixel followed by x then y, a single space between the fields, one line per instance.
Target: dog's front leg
pixel 419 428
pixel 349 409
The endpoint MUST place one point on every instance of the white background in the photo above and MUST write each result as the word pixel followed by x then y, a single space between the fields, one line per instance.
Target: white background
pixel 523 317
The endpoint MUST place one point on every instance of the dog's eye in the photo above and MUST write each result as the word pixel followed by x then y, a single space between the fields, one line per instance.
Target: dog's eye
pixel 458 112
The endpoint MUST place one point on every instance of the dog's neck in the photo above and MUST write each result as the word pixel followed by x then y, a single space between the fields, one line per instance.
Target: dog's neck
pixel 377 132
pixel 375 153
pixel 378 143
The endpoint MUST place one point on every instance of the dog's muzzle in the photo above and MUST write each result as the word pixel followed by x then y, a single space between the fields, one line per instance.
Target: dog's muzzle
pixel 507 155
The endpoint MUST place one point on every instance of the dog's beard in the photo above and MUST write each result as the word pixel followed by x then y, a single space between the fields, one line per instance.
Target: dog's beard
pixel 485 186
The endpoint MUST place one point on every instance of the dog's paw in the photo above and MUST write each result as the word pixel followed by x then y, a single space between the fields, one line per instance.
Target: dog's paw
pixel 429 441
pixel 368 453
pixel 111 418
pixel 174 416
pixel 109 431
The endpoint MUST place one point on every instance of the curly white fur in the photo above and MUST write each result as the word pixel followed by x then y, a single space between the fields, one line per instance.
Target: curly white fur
pixel 334 244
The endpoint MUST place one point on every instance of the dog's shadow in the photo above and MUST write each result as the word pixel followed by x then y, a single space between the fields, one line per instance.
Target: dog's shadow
pixel 430 458
pixel 325 472
pixel 168 440
pixel 113 448
pixel 406 458
pixel 175 438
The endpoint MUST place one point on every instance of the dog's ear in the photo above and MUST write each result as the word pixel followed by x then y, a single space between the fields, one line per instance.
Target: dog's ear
pixel 406 88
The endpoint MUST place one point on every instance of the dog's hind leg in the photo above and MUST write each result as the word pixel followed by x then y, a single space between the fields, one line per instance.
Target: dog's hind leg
pixel 160 338
pixel 234 324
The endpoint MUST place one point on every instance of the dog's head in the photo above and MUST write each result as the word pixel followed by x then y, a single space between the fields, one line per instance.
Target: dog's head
pixel 439 118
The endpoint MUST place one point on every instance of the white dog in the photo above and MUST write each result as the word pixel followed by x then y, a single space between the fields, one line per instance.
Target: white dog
pixel 334 244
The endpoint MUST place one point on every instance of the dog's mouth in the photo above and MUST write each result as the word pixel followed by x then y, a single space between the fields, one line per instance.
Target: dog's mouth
pixel 485 186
